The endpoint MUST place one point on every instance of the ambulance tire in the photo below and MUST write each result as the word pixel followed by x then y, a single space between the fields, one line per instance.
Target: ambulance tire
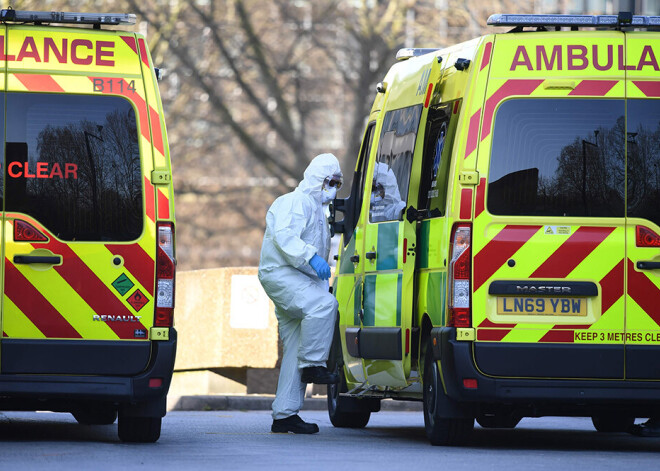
pixel 139 429
pixel 347 412
pixel 95 415
pixel 611 423
pixel 440 430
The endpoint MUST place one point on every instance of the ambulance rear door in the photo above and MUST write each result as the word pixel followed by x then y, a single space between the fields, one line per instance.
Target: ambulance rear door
pixel 79 227
pixel 643 211
pixel 549 225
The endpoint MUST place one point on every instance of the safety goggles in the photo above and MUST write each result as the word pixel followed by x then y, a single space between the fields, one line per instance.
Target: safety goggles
pixel 333 181
pixel 378 189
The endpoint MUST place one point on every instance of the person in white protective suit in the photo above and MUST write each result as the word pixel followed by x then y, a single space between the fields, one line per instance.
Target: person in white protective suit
pixel 294 273
pixel 386 203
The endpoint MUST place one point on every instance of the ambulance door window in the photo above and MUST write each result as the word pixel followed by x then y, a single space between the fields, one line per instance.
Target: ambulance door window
pixel 558 157
pixel 73 164
pixel 354 201
pixel 643 146
pixel 389 190
pixel 438 143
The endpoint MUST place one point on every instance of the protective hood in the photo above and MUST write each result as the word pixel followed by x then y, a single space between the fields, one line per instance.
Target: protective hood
pixel 385 176
pixel 321 167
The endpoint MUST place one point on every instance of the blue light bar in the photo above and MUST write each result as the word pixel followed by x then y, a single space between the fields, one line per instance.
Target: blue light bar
pixel 593 21
pixel 408 52
pixel 25 16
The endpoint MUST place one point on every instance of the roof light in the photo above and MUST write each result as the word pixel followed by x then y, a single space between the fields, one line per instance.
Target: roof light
pixel 409 52
pixel 593 21
pixel 25 16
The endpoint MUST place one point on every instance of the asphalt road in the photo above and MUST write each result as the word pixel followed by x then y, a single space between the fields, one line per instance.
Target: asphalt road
pixel 235 440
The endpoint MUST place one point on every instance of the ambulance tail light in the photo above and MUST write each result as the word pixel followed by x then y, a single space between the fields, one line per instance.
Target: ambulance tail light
pixel 165 271
pixel 645 237
pixel 459 298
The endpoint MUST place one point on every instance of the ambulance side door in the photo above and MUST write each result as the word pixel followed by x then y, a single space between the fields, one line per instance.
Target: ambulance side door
pixel 349 286
pixel 389 253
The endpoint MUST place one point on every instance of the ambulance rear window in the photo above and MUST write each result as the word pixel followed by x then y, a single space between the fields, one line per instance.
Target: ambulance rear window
pixel 558 157
pixel 73 164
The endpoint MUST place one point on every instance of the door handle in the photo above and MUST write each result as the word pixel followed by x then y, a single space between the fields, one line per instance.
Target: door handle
pixel 370 255
pixel 27 259
pixel 648 265
pixel 355 258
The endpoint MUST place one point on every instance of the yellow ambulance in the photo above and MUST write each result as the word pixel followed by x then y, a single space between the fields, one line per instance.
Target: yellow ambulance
pixel 87 223
pixel 500 255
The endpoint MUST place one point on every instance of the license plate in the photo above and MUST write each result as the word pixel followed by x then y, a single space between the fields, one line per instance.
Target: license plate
pixel 531 306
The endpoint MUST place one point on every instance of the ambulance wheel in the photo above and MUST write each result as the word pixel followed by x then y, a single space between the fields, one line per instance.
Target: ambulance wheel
pixel 347 412
pixel 139 429
pixel 99 415
pixel 440 430
pixel 609 423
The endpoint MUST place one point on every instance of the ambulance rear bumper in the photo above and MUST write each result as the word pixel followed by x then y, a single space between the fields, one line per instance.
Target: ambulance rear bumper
pixel 16 389
pixel 457 362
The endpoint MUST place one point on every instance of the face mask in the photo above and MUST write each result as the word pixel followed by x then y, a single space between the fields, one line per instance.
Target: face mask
pixel 328 194
pixel 375 199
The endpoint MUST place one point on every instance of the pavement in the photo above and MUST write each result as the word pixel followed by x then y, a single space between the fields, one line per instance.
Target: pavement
pixel 250 402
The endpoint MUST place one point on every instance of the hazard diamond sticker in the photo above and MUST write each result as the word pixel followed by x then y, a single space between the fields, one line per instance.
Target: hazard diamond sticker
pixel 137 300
pixel 123 284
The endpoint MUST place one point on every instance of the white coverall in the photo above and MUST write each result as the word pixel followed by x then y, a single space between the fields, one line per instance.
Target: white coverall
pixel 296 230
pixel 390 207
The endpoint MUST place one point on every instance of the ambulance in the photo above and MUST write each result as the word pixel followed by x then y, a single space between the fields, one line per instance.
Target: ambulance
pixel 87 223
pixel 500 251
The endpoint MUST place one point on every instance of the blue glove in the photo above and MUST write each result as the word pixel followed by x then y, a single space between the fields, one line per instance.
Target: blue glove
pixel 320 266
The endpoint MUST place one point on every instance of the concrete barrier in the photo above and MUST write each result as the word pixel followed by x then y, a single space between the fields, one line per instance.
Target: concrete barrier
pixel 224 321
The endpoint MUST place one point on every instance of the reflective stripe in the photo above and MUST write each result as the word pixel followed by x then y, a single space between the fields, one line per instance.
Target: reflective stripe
pixel 572 252
pixel 137 262
pixel 41 83
pixel 593 87
pixel 35 306
pixel 644 292
pixel 495 254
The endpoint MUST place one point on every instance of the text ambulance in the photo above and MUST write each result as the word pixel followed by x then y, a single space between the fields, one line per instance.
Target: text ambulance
pixel 87 223
pixel 521 275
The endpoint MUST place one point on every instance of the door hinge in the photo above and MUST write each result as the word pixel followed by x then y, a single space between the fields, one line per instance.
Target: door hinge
pixel 467 177
pixel 161 177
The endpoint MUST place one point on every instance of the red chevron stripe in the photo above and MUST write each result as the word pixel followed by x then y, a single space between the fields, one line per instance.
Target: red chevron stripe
pixel 35 306
pixel 495 254
pixel 91 289
pixel 593 87
pixel 143 52
pixel 649 88
pixel 39 83
pixel 163 206
pixel 612 286
pixel 509 88
pixel 480 203
pixel 486 58
pixel 157 138
pixel 137 262
pixel 488 323
pixel 473 134
pixel 644 292
pixel 492 335
pixel 466 203
pixel 130 41
pixel 558 336
pixel 150 199
pixel 572 252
